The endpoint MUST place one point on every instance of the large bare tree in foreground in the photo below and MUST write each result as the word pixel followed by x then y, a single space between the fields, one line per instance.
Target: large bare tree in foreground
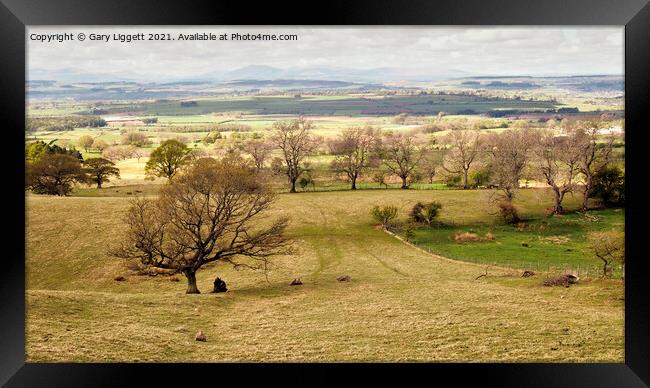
pixel 295 140
pixel 353 149
pixel 212 211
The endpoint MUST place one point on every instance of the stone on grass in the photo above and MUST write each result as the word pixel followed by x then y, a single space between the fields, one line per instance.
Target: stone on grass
pixel 295 282
pixel 527 274
pixel 200 336
pixel 219 286
pixel 344 278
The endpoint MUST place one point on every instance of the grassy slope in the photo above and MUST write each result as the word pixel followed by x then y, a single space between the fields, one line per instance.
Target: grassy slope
pixel 402 304
pixel 553 242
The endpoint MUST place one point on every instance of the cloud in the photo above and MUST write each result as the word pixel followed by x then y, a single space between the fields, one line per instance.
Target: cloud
pixel 439 51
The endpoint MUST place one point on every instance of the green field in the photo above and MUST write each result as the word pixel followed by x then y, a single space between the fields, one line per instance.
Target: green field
pixel 329 105
pixel 402 304
pixel 542 244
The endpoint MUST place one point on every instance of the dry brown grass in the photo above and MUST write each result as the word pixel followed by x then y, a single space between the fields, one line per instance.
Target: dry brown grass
pixel 466 236
pixel 401 304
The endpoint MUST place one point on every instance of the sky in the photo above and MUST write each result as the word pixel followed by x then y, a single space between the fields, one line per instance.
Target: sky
pixel 433 52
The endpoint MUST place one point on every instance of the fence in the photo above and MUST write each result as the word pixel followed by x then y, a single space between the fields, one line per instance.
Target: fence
pixel 581 270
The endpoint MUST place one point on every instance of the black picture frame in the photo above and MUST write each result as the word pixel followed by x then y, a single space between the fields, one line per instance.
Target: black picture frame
pixel 16 14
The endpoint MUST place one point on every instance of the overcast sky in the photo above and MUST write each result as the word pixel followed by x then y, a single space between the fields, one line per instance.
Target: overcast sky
pixel 436 51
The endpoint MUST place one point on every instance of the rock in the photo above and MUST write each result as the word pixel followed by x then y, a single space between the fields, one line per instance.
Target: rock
pixel 200 336
pixel 295 282
pixel 219 286
pixel 525 245
pixel 344 278
pixel 119 278
pixel 527 274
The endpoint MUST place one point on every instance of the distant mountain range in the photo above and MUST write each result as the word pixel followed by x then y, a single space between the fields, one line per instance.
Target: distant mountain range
pixel 257 72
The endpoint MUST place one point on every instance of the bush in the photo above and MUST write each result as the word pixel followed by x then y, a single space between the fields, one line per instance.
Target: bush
pixel 508 212
pixel 453 180
pixel 425 213
pixel 609 186
pixel 150 120
pixel 306 181
pixel 384 215
pixel 480 177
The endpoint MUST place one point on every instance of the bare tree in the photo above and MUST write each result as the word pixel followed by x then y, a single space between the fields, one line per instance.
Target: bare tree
pixel 557 159
pixel 608 246
pixel 86 142
pixel 465 150
pixel 259 150
pixel 353 149
pixel 211 211
pixel 509 153
pixel 430 163
pixel 295 140
pixel 593 156
pixel 119 152
pixel 401 155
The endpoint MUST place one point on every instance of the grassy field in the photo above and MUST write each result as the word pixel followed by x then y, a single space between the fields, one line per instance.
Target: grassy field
pixel 550 243
pixel 402 304
pixel 330 105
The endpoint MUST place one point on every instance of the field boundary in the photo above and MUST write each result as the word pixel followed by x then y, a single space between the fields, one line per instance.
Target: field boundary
pixel 436 256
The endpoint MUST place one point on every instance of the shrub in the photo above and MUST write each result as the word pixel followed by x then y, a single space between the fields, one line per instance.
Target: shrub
pixel 408 233
pixel 480 177
pixel 508 212
pixel 453 180
pixel 380 178
pixel 425 213
pixel 384 215
pixel 306 181
pixel 150 120
pixel 609 186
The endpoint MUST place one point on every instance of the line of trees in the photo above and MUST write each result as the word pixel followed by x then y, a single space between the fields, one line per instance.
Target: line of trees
pixel 576 161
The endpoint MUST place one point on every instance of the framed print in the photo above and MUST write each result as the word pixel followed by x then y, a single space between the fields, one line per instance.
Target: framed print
pixel 394 190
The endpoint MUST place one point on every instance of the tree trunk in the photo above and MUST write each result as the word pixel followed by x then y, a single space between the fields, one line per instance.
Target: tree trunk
pixel 585 198
pixel 99 184
pixel 605 268
pixel 293 186
pixel 557 207
pixel 354 183
pixel 191 282
pixel 465 179
pixel 404 185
